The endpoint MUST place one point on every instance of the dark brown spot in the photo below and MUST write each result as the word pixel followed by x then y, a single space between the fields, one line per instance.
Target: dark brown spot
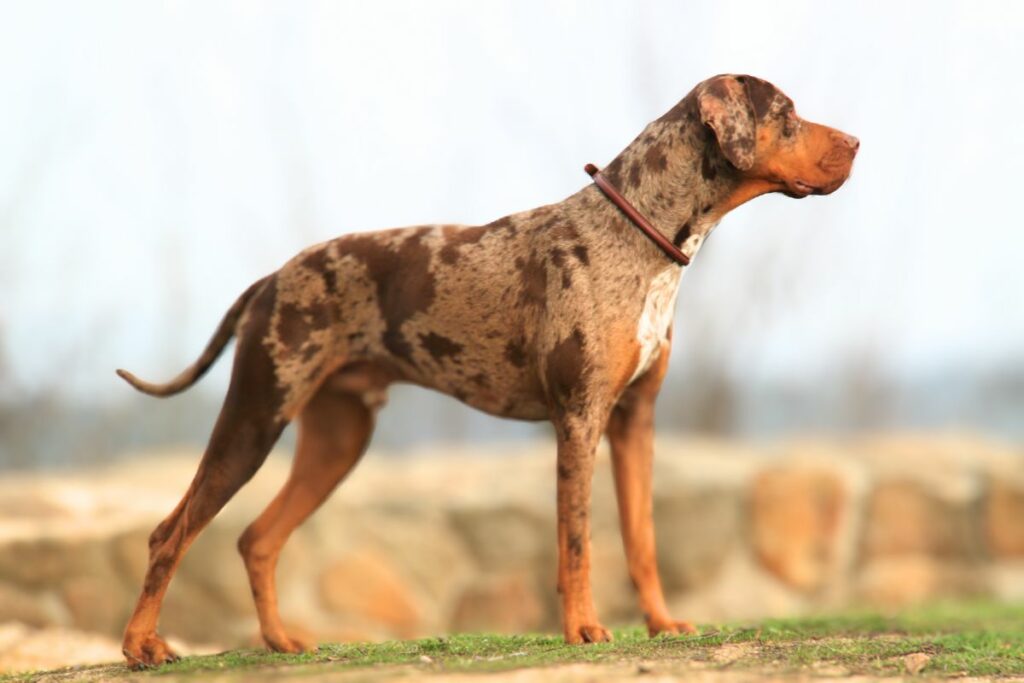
pixel 159 565
pixel 564 471
pixel 575 544
pixel 717 88
pixel 533 276
pixel 682 235
pixel 655 159
pixel 558 257
pixel 707 168
pixel 566 279
pixel 309 351
pixel 439 346
pixel 457 237
pixel 292 328
pixel 705 208
pixel 515 352
pixel 566 369
pixel 403 280
pixel 319 262
pixel 581 253
pixel 560 227
pixel 565 230
pixel 319 313
pixel 506 224
pixel 613 172
pixel 635 172
pixel 761 94
pixel 481 380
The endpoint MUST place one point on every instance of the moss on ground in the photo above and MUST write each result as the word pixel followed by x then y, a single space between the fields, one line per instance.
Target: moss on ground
pixel 978 639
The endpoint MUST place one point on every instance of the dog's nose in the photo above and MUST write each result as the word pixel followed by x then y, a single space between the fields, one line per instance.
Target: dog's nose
pixel 851 142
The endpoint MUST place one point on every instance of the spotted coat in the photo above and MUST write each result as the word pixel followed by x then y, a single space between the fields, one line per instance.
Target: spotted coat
pixel 562 312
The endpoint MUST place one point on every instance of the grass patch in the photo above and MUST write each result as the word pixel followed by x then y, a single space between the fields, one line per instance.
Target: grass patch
pixel 978 639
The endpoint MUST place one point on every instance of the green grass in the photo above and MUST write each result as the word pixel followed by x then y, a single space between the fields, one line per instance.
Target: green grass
pixel 981 639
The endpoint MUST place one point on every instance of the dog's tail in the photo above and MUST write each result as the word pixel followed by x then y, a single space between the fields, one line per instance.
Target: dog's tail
pixel 191 374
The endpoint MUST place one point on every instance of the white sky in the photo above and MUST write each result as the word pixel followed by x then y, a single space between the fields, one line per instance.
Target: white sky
pixel 156 157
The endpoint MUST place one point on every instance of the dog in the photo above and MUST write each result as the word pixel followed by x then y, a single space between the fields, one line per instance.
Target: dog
pixel 561 313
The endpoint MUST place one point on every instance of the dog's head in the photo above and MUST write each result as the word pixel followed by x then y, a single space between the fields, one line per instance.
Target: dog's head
pixel 759 133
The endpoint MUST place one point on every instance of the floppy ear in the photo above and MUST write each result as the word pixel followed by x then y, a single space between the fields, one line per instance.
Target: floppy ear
pixel 726 109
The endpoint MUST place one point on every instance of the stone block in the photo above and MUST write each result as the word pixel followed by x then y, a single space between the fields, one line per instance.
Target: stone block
pixel 97 604
pixel 1004 519
pixel 909 579
pixel 365 585
pixel 499 604
pixel 796 515
pixel 695 529
pixel 904 517
pixel 23 606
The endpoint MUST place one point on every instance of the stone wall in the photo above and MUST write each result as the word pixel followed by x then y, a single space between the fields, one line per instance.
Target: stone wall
pixel 440 542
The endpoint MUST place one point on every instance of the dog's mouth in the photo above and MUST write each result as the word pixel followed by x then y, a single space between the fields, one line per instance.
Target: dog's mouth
pixel 797 189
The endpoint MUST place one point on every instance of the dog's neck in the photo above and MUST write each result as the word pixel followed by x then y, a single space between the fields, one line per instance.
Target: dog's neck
pixel 675 176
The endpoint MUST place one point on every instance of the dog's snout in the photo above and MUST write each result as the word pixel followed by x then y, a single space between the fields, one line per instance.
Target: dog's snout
pixel 850 141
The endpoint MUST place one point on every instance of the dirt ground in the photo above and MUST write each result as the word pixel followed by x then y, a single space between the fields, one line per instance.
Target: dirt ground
pixel 727 663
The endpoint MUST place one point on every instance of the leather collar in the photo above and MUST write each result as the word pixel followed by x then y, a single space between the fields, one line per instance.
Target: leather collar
pixel 636 217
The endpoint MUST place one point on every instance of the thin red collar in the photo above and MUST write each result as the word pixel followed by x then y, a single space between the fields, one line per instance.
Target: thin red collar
pixel 636 217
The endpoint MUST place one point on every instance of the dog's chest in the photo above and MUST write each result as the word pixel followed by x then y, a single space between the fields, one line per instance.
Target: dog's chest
pixel 656 316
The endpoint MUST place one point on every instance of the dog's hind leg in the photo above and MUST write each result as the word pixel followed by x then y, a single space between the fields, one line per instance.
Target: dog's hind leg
pixel 334 428
pixel 247 428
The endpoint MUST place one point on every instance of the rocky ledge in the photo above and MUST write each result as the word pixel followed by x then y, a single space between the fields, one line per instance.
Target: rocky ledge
pixel 453 540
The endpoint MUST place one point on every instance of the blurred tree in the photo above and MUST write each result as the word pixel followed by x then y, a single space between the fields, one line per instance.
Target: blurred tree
pixel 867 394
pixel 25 408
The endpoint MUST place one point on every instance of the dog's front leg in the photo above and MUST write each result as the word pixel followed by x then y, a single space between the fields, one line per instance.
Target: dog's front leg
pixel 631 436
pixel 577 442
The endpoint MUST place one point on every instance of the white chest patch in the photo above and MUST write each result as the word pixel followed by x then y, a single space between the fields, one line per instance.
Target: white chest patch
pixel 656 317
pixel 660 307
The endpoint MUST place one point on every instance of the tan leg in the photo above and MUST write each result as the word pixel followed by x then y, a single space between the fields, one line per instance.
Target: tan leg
pixel 245 432
pixel 577 442
pixel 631 436
pixel 334 429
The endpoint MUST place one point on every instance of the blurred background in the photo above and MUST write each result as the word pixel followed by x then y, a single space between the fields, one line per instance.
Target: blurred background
pixel 157 157
pixel 160 156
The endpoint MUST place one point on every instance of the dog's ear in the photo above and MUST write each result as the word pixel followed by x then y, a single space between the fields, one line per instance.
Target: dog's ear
pixel 725 108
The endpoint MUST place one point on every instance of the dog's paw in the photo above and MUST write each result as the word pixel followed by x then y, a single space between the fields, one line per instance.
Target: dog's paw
pixel 670 626
pixel 287 644
pixel 146 651
pixel 588 633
